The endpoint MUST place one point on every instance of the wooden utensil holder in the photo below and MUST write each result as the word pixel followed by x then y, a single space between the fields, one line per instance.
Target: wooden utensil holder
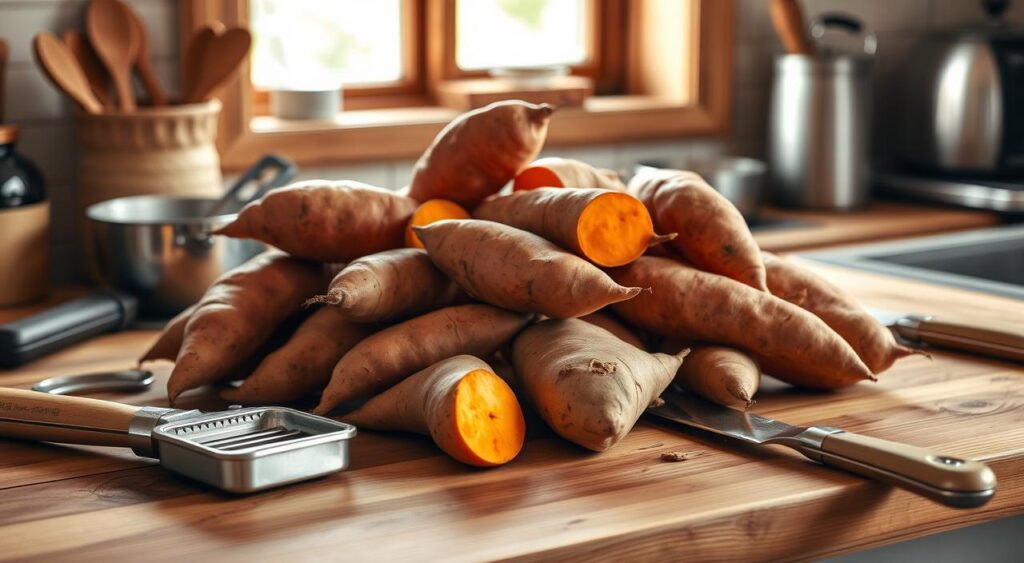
pixel 166 150
pixel 25 256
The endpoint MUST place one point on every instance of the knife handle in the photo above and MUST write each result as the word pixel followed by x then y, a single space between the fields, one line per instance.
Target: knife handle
pixel 1005 342
pixel 960 483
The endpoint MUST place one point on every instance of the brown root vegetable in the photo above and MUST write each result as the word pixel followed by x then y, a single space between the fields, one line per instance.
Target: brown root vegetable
pixel 167 345
pixel 467 410
pixel 480 151
pixel 695 306
pixel 389 356
pixel 431 212
pixel 712 234
pixel 302 366
pixel 588 385
pixel 720 374
pixel 557 172
pixel 518 270
pixel 326 221
pixel 605 320
pixel 238 313
pixel 389 285
pixel 606 227
pixel 874 343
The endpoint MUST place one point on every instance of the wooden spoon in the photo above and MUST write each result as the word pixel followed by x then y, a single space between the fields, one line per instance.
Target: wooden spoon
pixel 220 57
pixel 3 70
pixel 99 80
pixel 143 60
pixel 194 51
pixel 788 20
pixel 62 69
pixel 110 30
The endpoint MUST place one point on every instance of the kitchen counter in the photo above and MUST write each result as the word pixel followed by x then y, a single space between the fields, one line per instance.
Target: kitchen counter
pixel 402 499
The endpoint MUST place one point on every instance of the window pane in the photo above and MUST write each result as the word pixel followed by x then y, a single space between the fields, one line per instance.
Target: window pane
pixel 517 33
pixel 319 43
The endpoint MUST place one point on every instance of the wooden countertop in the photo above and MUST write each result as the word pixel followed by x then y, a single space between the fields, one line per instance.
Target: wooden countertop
pixel 879 221
pixel 403 500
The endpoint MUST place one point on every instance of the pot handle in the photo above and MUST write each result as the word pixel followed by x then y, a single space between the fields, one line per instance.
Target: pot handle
pixel 847 24
pixel 238 195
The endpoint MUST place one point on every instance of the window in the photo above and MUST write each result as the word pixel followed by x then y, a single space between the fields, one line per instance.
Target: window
pixel 657 68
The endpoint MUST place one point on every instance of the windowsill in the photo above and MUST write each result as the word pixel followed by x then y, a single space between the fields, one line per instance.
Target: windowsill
pixel 395 133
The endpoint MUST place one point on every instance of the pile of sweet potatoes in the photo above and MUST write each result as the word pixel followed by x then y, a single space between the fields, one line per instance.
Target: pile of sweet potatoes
pixel 388 309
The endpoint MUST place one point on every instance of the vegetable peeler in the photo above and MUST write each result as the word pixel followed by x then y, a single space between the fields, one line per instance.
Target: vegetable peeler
pixel 241 450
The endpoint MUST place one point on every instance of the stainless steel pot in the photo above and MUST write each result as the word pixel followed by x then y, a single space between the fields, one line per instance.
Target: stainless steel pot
pixel 160 249
pixel 740 180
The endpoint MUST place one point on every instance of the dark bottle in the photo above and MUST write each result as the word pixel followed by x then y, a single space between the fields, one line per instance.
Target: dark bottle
pixel 20 181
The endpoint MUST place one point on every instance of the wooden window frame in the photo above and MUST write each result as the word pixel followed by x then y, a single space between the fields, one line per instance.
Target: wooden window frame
pixel 674 59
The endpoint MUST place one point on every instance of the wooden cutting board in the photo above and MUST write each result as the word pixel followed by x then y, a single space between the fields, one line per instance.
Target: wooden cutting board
pixel 402 500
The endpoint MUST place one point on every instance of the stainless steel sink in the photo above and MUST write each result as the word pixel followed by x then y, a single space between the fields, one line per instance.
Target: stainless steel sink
pixel 988 260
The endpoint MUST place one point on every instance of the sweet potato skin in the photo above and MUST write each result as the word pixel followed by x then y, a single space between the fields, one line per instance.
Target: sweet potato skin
pixel 302 366
pixel 388 286
pixel 695 306
pixel 568 173
pixel 480 151
pixel 589 386
pixel 391 355
pixel 426 403
pixel 169 342
pixel 712 234
pixel 874 343
pixel 326 221
pixel 517 270
pixel 238 313
pixel 721 374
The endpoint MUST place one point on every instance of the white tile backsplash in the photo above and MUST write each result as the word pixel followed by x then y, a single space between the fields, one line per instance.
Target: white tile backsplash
pixel 47 133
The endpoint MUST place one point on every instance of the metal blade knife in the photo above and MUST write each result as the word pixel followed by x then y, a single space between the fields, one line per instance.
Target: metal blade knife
pixel 960 483
pixel 918 330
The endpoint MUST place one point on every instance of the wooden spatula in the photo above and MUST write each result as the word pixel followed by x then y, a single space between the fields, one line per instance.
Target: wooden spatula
pixel 111 32
pixel 194 51
pixel 62 69
pixel 143 59
pixel 99 80
pixel 219 58
pixel 788 20
pixel 3 74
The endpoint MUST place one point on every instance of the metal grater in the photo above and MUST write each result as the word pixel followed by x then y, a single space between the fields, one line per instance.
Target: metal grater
pixel 238 450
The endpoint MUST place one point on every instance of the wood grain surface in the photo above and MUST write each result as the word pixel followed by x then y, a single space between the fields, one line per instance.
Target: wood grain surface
pixel 403 500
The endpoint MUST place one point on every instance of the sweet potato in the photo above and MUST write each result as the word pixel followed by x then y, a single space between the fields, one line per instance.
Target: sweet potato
pixel 169 342
pixel 690 305
pixel 518 270
pixel 606 227
pixel 469 411
pixel 389 285
pixel 391 355
pixel 430 212
pixel 605 320
pixel 712 234
pixel 587 384
pixel 874 343
pixel 302 366
pixel 480 151
pixel 721 374
pixel 557 172
pixel 238 313
pixel 326 221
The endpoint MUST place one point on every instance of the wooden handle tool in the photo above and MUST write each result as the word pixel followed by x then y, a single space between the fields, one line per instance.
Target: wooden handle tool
pixel 220 57
pixel 143 59
pixel 3 74
pixel 31 415
pixel 788 20
pixel 63 70
pixel 99 80
pixel 112 34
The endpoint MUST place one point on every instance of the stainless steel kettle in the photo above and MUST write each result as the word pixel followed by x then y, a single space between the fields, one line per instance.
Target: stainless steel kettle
pixel 961 107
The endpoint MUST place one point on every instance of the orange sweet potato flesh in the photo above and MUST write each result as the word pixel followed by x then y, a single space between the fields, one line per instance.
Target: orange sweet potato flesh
pixel 606 227
pixel 388 286
pixel 470 412
pixel 517 270
pixel 721 374
pixel 429 212
pixel 696 306
pixel 326 221
pixel 302 366
pixel 167 345
pixel 712 234
pixel 557 172
pixel 589 386
pixel 480 151
pixel 393 354
pixel 874 343
pixel 238 313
